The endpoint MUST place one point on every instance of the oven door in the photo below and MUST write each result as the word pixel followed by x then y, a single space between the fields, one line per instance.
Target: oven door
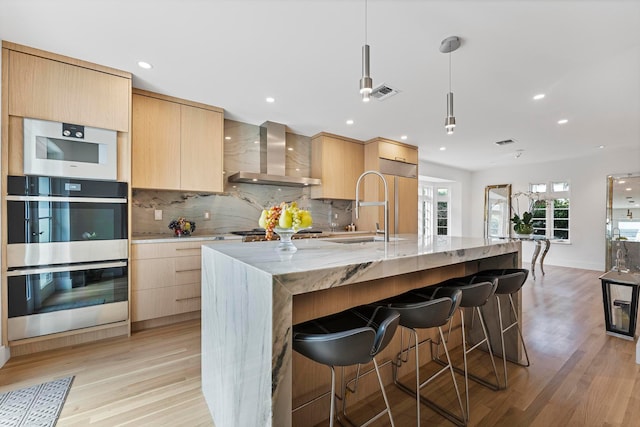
pixel 47 300
pixel 56 230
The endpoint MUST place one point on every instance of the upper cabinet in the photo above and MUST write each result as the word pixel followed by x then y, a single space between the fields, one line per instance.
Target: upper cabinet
pixel 176 144
pixel 49 89
pixel 392 150
pixel 338 162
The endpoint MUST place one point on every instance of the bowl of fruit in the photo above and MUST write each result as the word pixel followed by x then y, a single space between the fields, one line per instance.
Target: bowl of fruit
pixel 182 227
pixel 285 220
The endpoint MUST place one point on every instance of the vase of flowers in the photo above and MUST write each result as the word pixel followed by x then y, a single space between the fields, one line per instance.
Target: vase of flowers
pixel 182 227
pixel 285 220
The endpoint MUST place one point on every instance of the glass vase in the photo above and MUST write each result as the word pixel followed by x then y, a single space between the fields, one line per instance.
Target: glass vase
pixel 285 244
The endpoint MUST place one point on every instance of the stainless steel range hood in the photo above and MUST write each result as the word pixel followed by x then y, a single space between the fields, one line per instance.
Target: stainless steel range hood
pixel 272 161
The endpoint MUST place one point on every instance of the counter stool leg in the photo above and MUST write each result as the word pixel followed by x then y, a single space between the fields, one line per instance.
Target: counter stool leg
pixel 503 330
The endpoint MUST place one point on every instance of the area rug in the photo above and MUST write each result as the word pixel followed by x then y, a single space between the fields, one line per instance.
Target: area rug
pixel 36 406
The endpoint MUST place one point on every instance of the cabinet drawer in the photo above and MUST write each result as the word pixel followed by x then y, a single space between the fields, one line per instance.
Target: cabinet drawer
pixel 166 250
pixel 153 303
pixel 152 273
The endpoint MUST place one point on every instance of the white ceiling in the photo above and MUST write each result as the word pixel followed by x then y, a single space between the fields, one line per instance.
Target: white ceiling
pixel 584 55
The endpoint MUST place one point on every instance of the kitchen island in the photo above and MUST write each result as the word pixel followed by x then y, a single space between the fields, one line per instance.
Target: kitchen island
pixel 252 295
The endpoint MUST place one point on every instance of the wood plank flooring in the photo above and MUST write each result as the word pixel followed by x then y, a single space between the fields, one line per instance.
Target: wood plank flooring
pixel 579 376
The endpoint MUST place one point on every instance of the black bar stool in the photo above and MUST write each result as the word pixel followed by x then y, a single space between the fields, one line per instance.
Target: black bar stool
pixel 475 294
pixel 348 338
pixel 510 281
pixel 420 312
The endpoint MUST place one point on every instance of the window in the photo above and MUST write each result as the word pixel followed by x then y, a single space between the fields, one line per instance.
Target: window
pixel 550 209
pixel 443 218
pixel 435 204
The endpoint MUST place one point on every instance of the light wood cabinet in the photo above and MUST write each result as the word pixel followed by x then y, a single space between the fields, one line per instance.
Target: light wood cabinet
pixel 403 203
pixel 338 162
pixel 402 181
pixel 176 144
pixel 52 90
pixel 165 279
pixel 397 151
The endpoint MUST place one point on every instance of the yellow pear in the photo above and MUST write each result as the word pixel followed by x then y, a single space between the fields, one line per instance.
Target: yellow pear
pixel 262 222
pixel 286 219
pixel 305 219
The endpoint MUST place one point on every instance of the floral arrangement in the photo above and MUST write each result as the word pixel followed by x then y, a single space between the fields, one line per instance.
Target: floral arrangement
pixel 284 216
pixel 181 226
pixel 523 224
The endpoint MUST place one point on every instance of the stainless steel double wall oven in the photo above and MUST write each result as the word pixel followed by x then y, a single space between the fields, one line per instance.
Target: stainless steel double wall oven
pixel 66 254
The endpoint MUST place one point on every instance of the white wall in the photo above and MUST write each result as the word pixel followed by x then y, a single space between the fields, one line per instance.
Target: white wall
pixel 4 351
pixel 588 180
pixel 460 197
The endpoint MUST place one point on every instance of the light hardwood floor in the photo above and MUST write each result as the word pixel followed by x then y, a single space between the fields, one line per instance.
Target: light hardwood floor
pixel 579 376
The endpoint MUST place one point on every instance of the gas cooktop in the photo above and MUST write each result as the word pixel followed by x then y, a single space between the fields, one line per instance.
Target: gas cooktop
pixel 261 231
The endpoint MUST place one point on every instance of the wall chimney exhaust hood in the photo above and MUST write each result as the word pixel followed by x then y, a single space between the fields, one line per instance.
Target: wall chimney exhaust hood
pixel 272 161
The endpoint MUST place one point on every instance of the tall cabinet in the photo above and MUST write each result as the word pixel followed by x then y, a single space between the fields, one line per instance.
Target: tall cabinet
pixel 398 163
pixel 47 86
pixel 176 144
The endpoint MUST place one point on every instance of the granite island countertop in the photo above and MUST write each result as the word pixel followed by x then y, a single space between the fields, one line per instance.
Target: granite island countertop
pixel 323 263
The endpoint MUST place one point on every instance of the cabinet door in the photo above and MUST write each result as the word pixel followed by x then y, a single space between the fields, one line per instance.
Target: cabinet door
pixel 155 141
pixel 201 151
pixel 403 204
pixel 52 90
pixel 401 153
pixel 353 168
pixel 407 193
pixel 328 166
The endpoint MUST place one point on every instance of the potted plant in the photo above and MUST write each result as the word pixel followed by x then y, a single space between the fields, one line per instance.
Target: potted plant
pixel 523 225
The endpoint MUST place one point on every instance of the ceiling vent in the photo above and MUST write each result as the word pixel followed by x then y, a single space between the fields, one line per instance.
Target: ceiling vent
pixel 505 142
pixel 383 92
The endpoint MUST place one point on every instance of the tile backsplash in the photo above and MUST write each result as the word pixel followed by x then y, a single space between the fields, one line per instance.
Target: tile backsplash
pixel 239 207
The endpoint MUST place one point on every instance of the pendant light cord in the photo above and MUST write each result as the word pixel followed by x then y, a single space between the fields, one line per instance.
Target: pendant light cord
pixel 365 21
pixel 449 67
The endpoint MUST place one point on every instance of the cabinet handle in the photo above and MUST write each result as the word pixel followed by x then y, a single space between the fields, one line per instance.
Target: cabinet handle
pixel 187 249
pixel 185 299
pixel 184 271
pixel 402 159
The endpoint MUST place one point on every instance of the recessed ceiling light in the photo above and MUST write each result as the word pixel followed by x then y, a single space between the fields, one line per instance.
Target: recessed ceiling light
pixel 628 188
pixel 297 169
pixel 443 148
pixel 601 146
pixel 290 148
pixel 256 142
pixel 144 65
pixel 622 181
pixel 227 138
pixel 270 100
pixel 562 121
pixel 403 137
pixel 538 96
pixel 349 122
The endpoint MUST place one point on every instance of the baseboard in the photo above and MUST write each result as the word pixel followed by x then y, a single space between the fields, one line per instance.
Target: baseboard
pixel 163 321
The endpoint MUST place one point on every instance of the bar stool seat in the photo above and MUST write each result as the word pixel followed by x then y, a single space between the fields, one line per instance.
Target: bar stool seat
pixel 510 281
pixel 474 295
pixel 348 338
pixel 420 312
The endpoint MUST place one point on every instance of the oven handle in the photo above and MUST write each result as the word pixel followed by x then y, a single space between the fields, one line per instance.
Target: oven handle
pixel 66 199
pixel 78 267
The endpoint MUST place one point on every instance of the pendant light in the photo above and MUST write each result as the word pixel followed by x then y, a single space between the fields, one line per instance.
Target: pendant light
pixel 448 45
pixel 366 82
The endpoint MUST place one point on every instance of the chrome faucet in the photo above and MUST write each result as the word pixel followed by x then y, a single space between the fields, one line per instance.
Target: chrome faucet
pixel 385 203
